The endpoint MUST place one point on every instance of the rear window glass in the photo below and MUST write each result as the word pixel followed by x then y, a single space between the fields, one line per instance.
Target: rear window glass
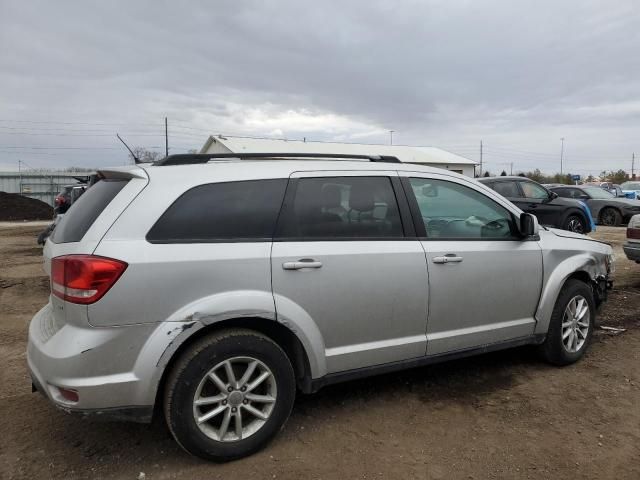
pixel 86 209
pixel 245 210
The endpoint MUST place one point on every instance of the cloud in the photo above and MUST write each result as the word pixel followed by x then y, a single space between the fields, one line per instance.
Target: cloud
pixel 518 75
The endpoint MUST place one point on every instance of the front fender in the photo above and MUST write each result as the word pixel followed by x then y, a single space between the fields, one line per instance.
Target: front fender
pixel 554 282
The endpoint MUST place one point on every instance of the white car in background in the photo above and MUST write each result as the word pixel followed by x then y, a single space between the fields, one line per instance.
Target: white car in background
pixel 632 247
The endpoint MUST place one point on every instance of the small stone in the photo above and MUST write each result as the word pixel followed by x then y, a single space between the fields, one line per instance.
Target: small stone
pixel 142 476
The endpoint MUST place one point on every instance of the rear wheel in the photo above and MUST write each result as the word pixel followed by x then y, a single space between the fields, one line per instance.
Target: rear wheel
pixel 571 325
pixel 575 223
pixel 229 395
pixel 610 217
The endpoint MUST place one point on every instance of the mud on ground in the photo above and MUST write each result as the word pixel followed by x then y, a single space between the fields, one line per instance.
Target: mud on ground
pixel 501 415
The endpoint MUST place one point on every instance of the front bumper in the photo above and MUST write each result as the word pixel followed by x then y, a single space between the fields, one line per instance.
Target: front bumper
pixel 632 251
pixel 113 369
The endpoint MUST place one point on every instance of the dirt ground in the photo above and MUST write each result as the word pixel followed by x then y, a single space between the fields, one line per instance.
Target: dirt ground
pixel 501 415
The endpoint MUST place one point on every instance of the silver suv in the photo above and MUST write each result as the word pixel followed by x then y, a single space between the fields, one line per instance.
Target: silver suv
pixel 211 289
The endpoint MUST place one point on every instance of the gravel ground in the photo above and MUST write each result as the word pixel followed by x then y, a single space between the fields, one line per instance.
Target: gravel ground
pixel 501 415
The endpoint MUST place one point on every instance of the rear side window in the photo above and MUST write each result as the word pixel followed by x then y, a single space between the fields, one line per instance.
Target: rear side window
pixel 245 210
pixel 507 189
pixel 86 209
pixel 343 207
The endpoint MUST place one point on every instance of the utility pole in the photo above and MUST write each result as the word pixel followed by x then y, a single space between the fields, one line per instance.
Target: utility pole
pixel 561 153
pixel 20 175
pixel 633 166
pixel 166 138
pixel 391 137
pixel 511 168
pixel 480 157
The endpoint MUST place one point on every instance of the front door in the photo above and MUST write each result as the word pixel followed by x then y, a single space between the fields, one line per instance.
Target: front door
pixel 484 281
pixel 341 261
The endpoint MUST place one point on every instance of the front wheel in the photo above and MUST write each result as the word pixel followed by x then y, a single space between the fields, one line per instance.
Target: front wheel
pixel 575 223
pixel 610 217
pixel 571 325
pixel 229 395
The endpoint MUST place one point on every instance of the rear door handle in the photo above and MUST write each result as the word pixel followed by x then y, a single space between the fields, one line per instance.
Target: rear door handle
pixel 449 258
pixel 302 263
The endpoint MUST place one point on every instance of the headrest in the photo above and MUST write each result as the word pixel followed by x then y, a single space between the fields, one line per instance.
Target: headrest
pixel 361 198
pixel 331 196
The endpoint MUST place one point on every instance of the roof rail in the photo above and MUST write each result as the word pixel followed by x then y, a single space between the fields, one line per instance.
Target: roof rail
pixel 195 158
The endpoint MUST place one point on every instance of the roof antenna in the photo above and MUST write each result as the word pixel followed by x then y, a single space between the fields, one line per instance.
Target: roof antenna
pixel 135 159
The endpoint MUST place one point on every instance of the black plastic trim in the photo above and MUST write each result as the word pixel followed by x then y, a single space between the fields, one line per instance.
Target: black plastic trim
pixel 317 383
pixel 197 158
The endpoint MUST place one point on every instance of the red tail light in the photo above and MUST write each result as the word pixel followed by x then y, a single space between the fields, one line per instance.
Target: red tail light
pixel 633 233
pixel 59 200
pixel 84 279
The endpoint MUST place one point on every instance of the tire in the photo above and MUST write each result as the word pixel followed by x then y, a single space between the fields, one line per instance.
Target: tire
pixel 610 217
pixel 190 377
pixel 575 223
pixel 554 349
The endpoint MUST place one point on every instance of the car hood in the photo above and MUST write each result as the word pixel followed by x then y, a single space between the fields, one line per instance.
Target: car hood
pixel 578 236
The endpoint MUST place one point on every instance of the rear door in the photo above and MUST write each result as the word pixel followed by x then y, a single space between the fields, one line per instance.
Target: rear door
pixel 346 259
pixel 484 281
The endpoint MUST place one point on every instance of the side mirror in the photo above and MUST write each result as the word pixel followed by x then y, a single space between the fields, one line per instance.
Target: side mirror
pixel 583 196
pixel 553 195
pixel 430 190
pixel 528 225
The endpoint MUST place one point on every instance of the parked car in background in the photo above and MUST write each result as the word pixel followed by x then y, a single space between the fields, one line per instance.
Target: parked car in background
pixel 616 191
pixel 605 208
pixel 68 195
pixel 632 247
pixel 211 291
pixel 549 209
pixel 632 188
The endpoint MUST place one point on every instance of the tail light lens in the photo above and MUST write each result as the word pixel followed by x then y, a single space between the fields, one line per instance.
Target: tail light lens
pixel 84 279
pixel 59 200
pixel 633 233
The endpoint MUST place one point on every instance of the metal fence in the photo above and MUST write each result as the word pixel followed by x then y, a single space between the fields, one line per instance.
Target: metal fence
pixel 42 186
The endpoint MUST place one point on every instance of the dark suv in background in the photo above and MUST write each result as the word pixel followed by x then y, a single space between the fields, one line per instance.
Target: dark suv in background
pixel 547 206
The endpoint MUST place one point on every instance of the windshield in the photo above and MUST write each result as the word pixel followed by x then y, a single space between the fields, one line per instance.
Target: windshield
pixel 595 192
pixel 630 186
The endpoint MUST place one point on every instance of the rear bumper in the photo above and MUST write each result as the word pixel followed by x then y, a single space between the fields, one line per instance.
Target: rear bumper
pixel 113 370
pixel 632 251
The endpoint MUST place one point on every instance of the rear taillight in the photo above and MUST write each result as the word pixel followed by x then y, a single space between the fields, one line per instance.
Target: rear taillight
pixel 59 200
pixel 633 233
pixel 84 279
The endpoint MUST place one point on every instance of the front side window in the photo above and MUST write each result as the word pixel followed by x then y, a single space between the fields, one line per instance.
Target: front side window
pixel 343 207
pixel 245 210
pixel 453 211
pixel 532 190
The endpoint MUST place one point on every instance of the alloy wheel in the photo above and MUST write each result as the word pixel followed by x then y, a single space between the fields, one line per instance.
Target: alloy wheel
pixel 575 225
pixel 234 399
pixel 575 324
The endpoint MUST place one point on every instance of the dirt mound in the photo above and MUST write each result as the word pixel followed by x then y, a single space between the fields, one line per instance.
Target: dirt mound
pixel 16 207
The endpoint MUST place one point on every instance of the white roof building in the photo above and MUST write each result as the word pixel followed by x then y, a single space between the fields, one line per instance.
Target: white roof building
pixel 434 157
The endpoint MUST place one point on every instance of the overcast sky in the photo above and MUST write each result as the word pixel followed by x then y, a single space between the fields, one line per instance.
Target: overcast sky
pixel 518 75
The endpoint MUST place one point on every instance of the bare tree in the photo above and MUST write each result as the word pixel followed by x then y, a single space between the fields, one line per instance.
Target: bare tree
pixel 145 155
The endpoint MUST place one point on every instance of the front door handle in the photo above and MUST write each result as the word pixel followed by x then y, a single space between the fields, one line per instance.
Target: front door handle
pixel 302 263
pixel 449 258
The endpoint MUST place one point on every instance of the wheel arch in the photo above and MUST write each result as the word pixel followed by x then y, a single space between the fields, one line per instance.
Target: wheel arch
pixel 579 267
pixel 280 334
